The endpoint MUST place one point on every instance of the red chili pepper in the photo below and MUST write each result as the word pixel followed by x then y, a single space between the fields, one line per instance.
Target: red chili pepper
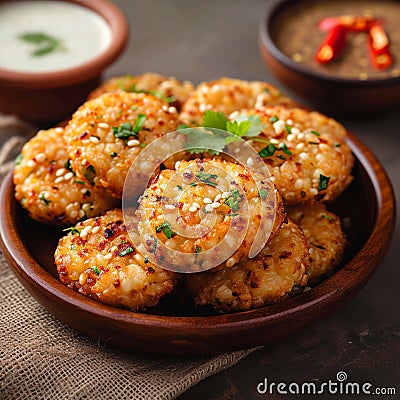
pixel 350 22
pixel 332 45
pixel 379 47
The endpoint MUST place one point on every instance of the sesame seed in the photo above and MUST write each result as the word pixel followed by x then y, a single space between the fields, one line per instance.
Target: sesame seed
pixel 209 208
pixel 231 262
pixel 82 278
pixel 169 206
pixel 274 141
pixel 59 179
pixel 68 176
pixel 192 209
pixel 202 107
pixel 289 122
pixel 218 197
pixel 61 171
pixel 133 143
pixel 83 191
pixel 103 125
pixel 160 217
pixel 196 204
pixel 73 214
pixel 40 157
pixel 215 205
pixel 225 195
pixel 81 213
pixel 94 139
pixel 303 156
pixel 108 256
pixel 31 163
pixel 291 136
pixel 295 131
pixel 172 110
pixel 114 248
pixel 84 161
pixel 237 150
pixel 250 161
pixel 165 108
pixel 95 229
pixel 59 130
pixel 207 200
pixel 313 191
pixel 177 164
pixel 138 257
pixel 185 207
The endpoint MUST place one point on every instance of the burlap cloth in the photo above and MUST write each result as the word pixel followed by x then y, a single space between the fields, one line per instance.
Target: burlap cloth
pixel 40 358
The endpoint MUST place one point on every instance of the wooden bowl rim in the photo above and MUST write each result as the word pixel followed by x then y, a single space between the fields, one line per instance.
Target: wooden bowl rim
pixel 348 280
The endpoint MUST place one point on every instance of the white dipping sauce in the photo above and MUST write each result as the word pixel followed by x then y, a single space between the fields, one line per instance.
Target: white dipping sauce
pixel 83 35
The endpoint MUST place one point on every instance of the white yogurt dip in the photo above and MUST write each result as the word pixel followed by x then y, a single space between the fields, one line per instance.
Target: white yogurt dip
pixel 78 33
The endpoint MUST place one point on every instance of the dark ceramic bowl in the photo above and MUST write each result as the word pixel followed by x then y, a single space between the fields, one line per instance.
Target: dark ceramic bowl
pixel 325 92
pixel 52 96
pixel 171 329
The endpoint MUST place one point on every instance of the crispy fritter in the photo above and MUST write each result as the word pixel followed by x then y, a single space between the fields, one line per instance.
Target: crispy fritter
pixel 327 240
pixel 306 154
pixel 202 203
pixel 47 187
pixel 106 134
pixel 274 274
pixel 228 95
pixel 98 260
pixel 168 89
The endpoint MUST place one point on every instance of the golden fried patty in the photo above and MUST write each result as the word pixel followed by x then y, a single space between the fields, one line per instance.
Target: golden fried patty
pixel 98 260
pixel 278 271
pixel 208 208
pixel 48 188
pixel 228 95
pixel 305 152
pixel 107 133
pixel 324 232
pixel 169 89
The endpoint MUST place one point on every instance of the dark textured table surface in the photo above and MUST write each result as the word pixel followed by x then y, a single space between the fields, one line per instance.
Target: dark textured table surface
pixel 203 40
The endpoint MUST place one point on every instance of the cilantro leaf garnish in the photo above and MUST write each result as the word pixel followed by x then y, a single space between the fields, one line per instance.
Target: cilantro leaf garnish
pixel 328 217
pixel 206 178
pixel 285 149
pixel 72 230
pixel 166 228
pixel 43 198
pixel 96 270
pixel 233 200
pixel 126 251
pixel 200 140
pixel 315 133
pixel 323 182
pixel 126 130
pixel 19 158
pixel 197 249
pixel 273 119
pixel 68 165
pixel 45 44
pixel 214 119
pixel 267 151
pixel 263 193
pixel 89 173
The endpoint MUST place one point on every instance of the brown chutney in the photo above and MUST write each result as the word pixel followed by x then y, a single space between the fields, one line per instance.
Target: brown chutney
pixel 295 32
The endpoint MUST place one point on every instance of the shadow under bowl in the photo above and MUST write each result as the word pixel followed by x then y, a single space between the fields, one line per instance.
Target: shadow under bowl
pixel 169 329
pixel 49 97
pixel 327 92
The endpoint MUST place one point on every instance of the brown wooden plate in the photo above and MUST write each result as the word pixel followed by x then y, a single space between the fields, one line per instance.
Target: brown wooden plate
pixel 368 203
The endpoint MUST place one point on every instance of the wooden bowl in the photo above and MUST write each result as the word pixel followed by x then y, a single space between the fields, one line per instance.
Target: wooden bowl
pixel 49 97
pixel 326 92
pixel 368 202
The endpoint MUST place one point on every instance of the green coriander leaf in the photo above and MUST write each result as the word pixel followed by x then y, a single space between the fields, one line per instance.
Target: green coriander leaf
pixel 263 193
pixel 328 217
pixel 96 270
pixel 281 157
pixel 315 133
pixel 143 144
pixel 113 154
pixel 206 178
pixel 238 128
pixel 19 158
pixel 252 126
pixel 182 126
pixel 166 228
pixel 337 144
pixel 232 215
pixel 266 90
pixel 79 182
pixel 214 119
pixel 313 143
pixel 73 247
pixel 126 251
pixel 288 129
pixel 179 187
pixel 285 149
pixel 233 200
pixel 141 119
pixel 43 198
pixel 124 131
pixel 72 230
pixel 268 151
pixel 89 173
pixel 197 249
pixel 323 182
pixel 273 119
pixel 68 165
pixel 199 141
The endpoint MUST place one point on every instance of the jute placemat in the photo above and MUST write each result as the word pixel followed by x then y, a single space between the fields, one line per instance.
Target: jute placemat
pixel 40 358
